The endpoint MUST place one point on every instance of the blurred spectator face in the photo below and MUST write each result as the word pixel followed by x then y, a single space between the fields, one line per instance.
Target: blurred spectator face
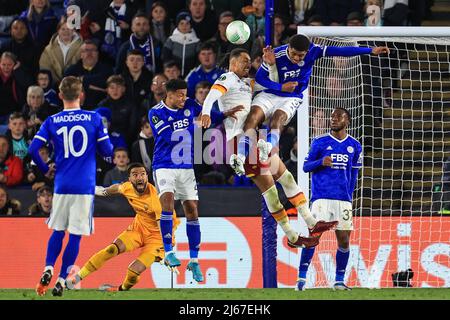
pixel 44 154
pixel 159 14
pixel 223 24
pixel 335 87
pixel 260 7
pixel 279 26
pixel 200 95
pixel 115 91
pixel 147 130
pixel 135 63
pixel 158 85
pixel 6 66
pixel 121 158
pixel 315 24
pixel 207 58
pixel 354 23
pixel 39 4
pixel 319 122
pixel 89 54
pixel 19 30
pixel 197 9
pixel 172 72
pixel 140 27
pixel 43 80
pixel 34 100
pixel 4 148
pixel 184 26
pixel 65 33
pixel 341 63
pixel 17 126
pixel 3 198
pixel 45 200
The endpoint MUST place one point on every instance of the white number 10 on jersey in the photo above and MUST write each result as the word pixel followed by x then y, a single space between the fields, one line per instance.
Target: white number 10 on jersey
pixel 68 141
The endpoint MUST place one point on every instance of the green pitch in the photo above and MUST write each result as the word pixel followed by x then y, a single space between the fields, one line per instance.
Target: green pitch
pixel 235 294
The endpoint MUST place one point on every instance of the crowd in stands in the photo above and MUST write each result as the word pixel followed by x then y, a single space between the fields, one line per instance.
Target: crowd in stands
pixel 125 51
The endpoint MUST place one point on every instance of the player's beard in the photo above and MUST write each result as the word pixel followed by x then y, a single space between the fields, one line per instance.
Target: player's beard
pixel 139 187
pixel 337 129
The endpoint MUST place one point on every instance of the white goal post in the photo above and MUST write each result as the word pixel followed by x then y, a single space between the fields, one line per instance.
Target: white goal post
pixel 400 108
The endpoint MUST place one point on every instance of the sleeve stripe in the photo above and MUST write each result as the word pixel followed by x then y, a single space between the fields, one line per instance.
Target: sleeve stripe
pixel 219 87
pixel 40 138
pixel 102 138
pixel 163 128
pixel 324 51
pixel 264 67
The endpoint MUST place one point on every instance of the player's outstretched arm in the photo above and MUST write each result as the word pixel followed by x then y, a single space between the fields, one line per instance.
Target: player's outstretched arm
pixel 354 51
pixel 109 191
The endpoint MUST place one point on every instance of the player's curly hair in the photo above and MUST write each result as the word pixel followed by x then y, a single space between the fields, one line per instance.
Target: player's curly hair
pixel 346 112
pixel 299 42
pixel 134 165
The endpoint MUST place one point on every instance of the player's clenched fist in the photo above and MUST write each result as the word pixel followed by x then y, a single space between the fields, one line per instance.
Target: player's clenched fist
pixel 289 86
pixel 327 161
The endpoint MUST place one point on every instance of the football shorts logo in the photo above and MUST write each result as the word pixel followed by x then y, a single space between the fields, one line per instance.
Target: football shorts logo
pixel 187 112
pixel 296 103
pixel 350 149
pixel 155 119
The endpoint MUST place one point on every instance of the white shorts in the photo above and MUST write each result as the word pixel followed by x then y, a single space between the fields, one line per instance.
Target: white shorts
pixel 334 210
pixel 72 212
pixel 180 182
pixel 270 103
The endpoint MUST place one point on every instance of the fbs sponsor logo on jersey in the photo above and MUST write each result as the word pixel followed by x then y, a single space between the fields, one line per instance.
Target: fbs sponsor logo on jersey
pixel 292 74
pixel 339 157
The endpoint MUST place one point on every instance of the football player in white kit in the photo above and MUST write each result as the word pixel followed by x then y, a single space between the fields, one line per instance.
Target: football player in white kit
pixel 234 88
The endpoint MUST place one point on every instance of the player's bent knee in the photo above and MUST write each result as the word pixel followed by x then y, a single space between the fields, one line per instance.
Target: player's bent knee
pixel 121 247
pixel 140 264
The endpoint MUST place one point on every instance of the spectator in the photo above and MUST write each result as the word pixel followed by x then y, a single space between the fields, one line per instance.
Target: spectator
pixel 140 39
pixel 395 13
pixel 221 40
pixel 62 51
pixel 373 10
pixel 299 13
pixel 11 170
pixel 335 12
pixel 182 46
pixel 123 112
pixel 92 72
pixel 93 17
pixel 172 70
pixel 142 148
pixel 17 135
pixel 315 21
pixel 160 25
pixel 233 6
pixel 204 21
pixel 291 164
pixel 41 21
pixel 45 81
pixel 137 78
pixel 117 27
pixel 35 176
pixel 9 10
pixel 206 71
pixel 157 93
pixel 201 91
pixel 119 173
pixel 43 205
pixel 8 207
pixel 117 139
pixel 355 19
pixel 279 36
pixel 319 123
pixel 13 86
pixel 22 46
pixel 255 18
pixel 36 110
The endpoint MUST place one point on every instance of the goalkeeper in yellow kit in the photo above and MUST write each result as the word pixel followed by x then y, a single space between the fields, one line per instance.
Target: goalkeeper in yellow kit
pixel 143 232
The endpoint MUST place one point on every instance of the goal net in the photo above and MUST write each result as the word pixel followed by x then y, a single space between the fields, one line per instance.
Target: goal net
pixel 400 108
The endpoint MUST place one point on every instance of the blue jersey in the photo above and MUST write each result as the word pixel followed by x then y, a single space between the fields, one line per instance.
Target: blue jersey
pixel 301 72
pixel 173 131
pixel 338 181
pixel 75 134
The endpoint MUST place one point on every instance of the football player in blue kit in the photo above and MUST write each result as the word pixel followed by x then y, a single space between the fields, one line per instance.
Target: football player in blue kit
pixel 334 160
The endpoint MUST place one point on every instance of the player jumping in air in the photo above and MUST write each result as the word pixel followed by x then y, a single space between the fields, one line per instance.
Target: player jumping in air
pixel 291 65
pixel 143 232
pixel 234 88
pixel 76 135
pixel 172 123
pixel 334 160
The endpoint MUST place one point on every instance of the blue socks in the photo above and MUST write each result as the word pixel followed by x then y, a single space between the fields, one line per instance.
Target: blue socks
pixel 54 247
pixel 305 261
pixel 70 255
pixel 194 237
pixel 342 256
pixel 166 224
pixel 243 147
pixel 273 137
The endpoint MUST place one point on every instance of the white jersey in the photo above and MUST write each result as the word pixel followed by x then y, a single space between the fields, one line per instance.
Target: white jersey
pixel 235 92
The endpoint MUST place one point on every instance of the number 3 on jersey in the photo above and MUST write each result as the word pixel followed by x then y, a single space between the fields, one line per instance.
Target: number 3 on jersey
pixel 68 140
